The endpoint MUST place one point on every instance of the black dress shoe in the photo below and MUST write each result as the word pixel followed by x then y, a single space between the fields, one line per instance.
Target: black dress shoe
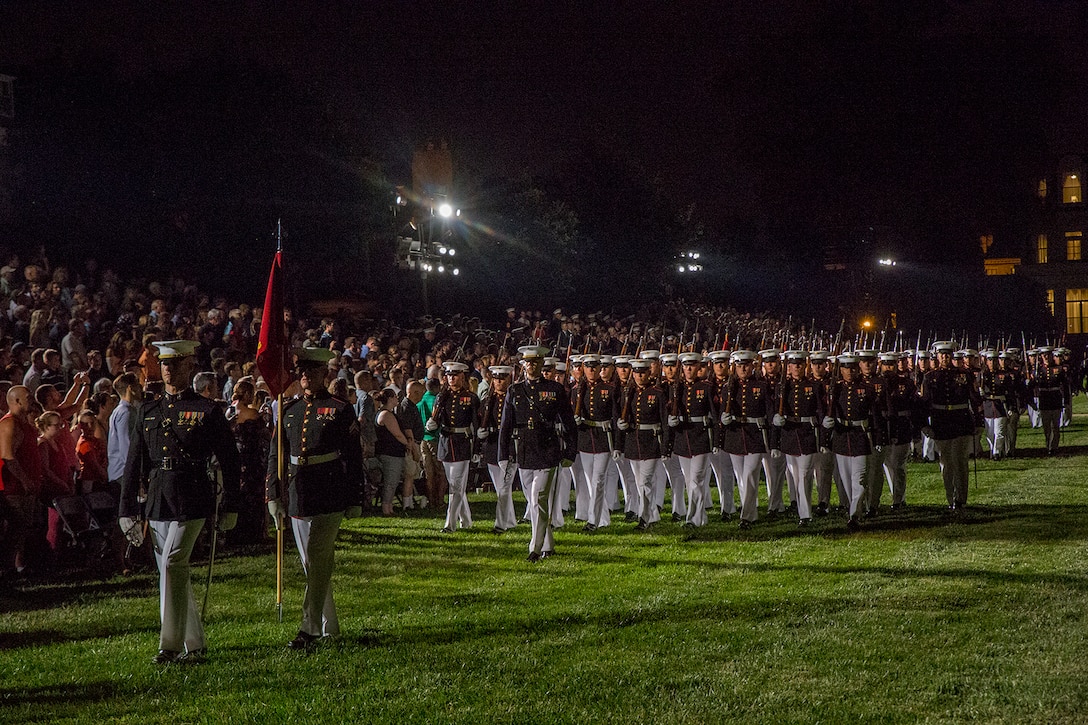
pixel 804 522
pixel 745 524
pixel 589 528
pixel 498 530
pixel 534 557
pixel 165 657
pixel 689 525
pixel 726 517
pixel 853 524
pixel 194 657
pixel 821 510
pixel 547 554
pixel 677 517
pixel 303 641
pixel 642 525
pixel 630 517
pixel 446 530
pixel 871 513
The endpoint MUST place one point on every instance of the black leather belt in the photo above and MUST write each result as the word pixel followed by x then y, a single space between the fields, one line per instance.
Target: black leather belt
pixel 180 464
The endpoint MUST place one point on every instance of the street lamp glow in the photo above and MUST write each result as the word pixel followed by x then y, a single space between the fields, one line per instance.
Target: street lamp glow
pixel 441 250
pixel 445 210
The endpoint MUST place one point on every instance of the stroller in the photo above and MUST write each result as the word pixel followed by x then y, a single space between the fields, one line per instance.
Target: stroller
pixel 88 523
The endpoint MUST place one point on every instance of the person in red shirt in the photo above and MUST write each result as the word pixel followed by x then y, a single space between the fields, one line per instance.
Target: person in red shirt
pixel 21 474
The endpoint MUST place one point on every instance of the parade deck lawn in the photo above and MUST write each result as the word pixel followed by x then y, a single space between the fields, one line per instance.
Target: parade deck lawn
pixel 918 618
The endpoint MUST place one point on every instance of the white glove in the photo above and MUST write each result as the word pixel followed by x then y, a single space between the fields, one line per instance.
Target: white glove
pixel 431 424
pixel 825 450
pixel 227 521
pixel 353 512
pixel 132 531
pixel 278 513
pixel 483 433
pixel 829 422
pixel 674 420
pixel 616 455
pixel 475 458
pixel 728 418
pixel 578 420
pixel 778 421
pixel 878 449
pixel 775 453
pixel 503 464
pixel 927 431
pixel 622 424
pixel 715 450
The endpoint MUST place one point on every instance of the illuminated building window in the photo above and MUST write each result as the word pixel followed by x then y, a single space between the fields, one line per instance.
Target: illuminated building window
pixel 1071 189
pixel 1040 249
pixel 1076 310
pixel 1072 246
pixel 1050 301
pixel 1042 188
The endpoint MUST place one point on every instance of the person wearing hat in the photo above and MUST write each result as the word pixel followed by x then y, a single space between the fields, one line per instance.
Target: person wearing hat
pixel 1048 385
pixel 693 419
pixel 850 419
pixel 800 408
pixel 325 484
pixel 774 464
pixel 874 467
pixel 594 412
pixel 172 442
pixel 538 430
pixel 902 420
pixel 823 461
pixel 621 385
pixel 502 474
pixel 994 389
pixel 954 412
pixel 721 465
pixel 642 422
pixel 456 412
pixel 1010 364
pixel 669 470
pixel 747 407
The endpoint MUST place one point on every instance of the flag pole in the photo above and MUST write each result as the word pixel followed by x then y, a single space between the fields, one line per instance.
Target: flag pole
pixel 279 524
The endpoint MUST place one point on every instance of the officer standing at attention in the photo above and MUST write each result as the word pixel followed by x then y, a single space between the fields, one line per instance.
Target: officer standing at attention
pixel 456 412
pixel 538 430
pixel 954 411
pixel 172 442
pixel 325 485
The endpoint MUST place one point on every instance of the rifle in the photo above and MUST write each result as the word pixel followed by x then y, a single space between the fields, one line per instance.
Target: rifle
pixel 680 342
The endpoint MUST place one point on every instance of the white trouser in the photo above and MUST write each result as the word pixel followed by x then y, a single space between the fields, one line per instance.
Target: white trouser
pixel 612 484
pixel 997 437
pixel 955 467
pixel 458 511
pixel 696 470
pixel 826 474
pixel 627 481
pixel 504 496
pixel 594 480
pixel 581 490
pixel 661 482
pixel 543 494
pixel 1067 414
pixel 799 475
pixel 644 472
pixel 895 473
pixel 1011 429
pixel 1050 420
pixel 181 628
pixel 1033 415
pixel 675 473
pixel 722 466
pixel 746 469
pixel 774 471
pixel 852 474
pixel 315 537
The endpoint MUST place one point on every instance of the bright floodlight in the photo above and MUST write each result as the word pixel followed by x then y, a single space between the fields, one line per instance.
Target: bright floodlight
pixel 441 268
pixel 445 210
pixel 680 268
pixel 456 271
pixel 451 251
pixel 887 262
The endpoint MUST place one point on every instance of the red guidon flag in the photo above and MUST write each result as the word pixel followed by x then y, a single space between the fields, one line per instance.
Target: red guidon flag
pixel 272 345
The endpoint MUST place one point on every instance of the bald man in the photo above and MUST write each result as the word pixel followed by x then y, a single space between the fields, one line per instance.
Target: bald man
pixel 21 475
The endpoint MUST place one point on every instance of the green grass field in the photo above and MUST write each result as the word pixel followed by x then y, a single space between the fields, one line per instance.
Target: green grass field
pixel 917 618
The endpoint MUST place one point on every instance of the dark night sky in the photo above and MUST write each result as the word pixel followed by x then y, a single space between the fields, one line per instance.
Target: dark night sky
pixel 771 115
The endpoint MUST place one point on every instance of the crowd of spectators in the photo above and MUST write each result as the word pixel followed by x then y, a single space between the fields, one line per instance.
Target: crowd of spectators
pixel 76 358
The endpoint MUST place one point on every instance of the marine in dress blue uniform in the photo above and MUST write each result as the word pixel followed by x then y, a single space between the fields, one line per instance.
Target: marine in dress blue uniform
pixel 173 440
